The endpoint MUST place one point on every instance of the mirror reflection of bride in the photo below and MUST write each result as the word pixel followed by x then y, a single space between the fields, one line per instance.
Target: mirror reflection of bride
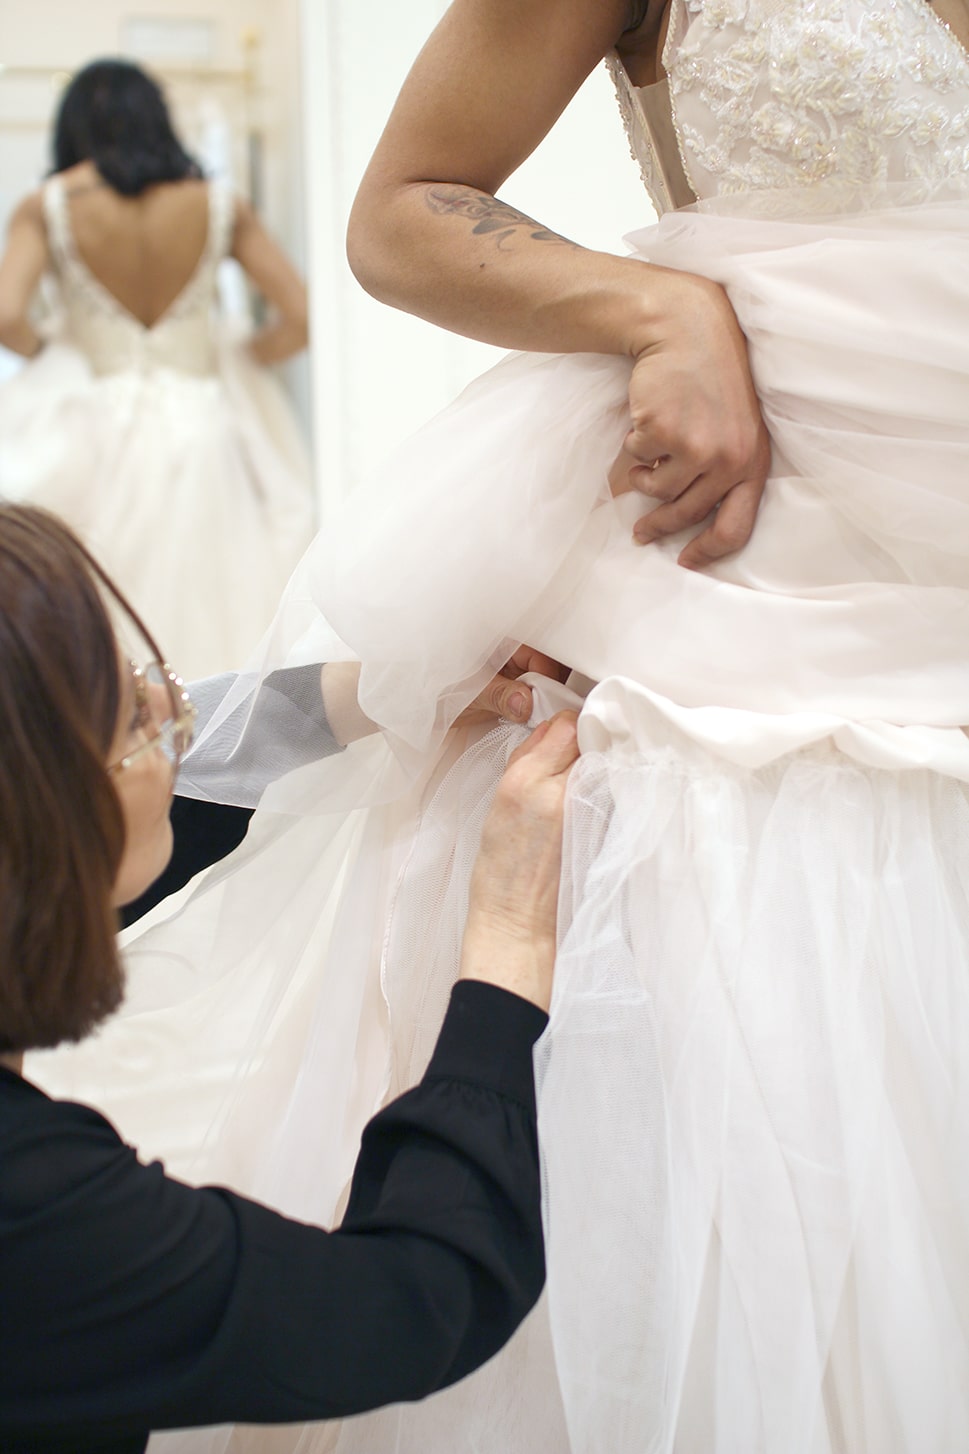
pixel 139 419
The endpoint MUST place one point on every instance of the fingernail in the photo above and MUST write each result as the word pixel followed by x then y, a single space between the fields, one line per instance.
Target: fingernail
pixel 643 537
pixel 517 705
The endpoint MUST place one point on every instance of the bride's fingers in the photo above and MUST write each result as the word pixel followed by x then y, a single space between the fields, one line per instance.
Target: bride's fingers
pixel 659 480
pixel 647 472
pixel 729 531
pixel 732 525
pixel 694 505
pixel 618 476
pixel 654 474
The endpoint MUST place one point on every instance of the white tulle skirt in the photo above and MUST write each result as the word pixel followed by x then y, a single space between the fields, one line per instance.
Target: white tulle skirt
pixel 753 1101
pixel 194 492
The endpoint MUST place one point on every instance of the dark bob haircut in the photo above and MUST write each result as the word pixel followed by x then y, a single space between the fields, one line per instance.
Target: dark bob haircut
pixel 114 115
pixel 61 826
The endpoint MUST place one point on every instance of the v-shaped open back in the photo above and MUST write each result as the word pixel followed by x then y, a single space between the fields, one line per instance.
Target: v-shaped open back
pixel 107 331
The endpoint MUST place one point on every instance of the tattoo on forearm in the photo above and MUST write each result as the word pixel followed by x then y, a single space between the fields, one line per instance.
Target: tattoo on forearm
pixel 488 214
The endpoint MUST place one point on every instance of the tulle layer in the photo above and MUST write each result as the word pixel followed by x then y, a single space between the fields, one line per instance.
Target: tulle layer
pixel 752 1108
pixel 493 524
pixel 194 493
pixel 752 1099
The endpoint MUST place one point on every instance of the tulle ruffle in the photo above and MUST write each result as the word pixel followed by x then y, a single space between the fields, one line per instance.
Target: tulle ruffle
pixel 751 1103
pixel 493 524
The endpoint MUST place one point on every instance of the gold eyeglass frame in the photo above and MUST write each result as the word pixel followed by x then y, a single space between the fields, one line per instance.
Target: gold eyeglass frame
pixel 174 736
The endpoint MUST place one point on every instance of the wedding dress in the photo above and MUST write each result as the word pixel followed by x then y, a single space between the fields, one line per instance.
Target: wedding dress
pixel 173 454
pixel 753 1096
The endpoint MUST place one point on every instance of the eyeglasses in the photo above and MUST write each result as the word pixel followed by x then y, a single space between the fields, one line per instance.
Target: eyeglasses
pixel 164 717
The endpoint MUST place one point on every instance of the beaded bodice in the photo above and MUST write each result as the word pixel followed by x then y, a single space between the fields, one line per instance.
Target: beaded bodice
pixel 111 338
pixel 781 94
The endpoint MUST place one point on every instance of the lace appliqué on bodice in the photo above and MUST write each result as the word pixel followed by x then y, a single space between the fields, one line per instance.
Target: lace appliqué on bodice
pixel 781 94
pixel 776 95
pixel 114 340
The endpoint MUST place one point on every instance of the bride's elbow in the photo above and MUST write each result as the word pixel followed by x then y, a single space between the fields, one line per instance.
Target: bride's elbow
pixel 10 319
pixel 17 335
pixel 386 241
pixel 367 249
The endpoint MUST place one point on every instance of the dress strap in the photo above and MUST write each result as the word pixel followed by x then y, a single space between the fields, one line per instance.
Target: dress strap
pixel 221 219
pixel 57 220
pixel 72 271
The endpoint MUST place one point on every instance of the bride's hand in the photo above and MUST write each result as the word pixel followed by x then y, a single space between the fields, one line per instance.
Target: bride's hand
pixel 698 443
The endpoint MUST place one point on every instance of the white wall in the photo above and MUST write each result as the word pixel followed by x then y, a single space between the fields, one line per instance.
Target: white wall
pixel 378 373
pixel 64 34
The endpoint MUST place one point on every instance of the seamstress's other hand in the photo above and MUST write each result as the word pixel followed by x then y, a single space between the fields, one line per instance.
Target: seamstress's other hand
pixel 504 696
pixel 510 937
pixel 698 442
pixel 507 697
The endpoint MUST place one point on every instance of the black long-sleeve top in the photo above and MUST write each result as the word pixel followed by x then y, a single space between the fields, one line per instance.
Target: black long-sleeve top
pixel 131 1302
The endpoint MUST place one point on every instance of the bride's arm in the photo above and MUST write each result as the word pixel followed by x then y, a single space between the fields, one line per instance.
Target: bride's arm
pixel 21 268
pixel 428 235
pixel 267 265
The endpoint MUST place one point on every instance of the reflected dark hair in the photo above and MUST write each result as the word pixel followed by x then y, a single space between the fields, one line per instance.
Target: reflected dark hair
pixel 114 115
pixel 61 827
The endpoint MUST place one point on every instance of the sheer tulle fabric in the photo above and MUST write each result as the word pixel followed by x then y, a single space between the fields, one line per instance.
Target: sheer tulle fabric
pixel 751 1104
pixel 493 524
pixel 760 1009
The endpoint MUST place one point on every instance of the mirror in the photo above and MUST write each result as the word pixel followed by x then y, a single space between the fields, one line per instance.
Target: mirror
pixel 287 99
pixel 228 74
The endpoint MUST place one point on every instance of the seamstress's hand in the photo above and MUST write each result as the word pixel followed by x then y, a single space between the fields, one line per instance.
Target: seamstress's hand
pixel 507 697
pixel 510 937
pixel 698 443
pixel 504 696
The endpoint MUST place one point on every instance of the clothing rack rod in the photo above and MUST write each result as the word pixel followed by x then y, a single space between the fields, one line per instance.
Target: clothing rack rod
pixel 219 74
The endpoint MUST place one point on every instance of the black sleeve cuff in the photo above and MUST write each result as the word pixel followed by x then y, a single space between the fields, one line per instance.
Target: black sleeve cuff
pixel 487 1037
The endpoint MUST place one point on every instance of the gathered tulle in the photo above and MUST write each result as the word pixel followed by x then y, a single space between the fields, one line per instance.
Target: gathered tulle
pixel 850 599
pixel 751 1102
pixel 751 1106
pixel 760 1008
